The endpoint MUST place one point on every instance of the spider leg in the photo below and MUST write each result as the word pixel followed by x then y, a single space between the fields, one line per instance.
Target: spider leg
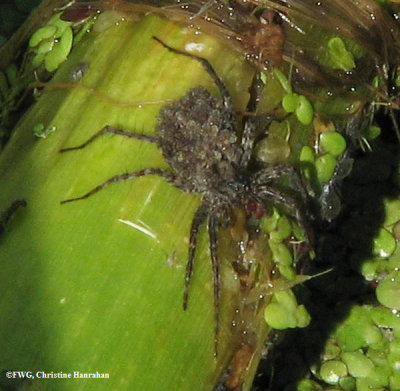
pixel 213 235
pixel 264 192
pixel 226 98
pixel 112 130
pixel 170 177
pixel 252 121
pixel 256 88
pixel 197 221
pixel 248 138
pixel 268 174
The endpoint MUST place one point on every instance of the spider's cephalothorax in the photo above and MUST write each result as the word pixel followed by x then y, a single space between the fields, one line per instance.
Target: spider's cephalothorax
pixel 198 137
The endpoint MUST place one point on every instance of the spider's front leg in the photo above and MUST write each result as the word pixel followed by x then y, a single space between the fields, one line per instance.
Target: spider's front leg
pixel 112 130
pixel 268 193
pixel 226 98
pixel 269 174
pixel 251 121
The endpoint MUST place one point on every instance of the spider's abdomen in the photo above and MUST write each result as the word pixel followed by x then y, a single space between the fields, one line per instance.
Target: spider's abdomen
pixel 198 140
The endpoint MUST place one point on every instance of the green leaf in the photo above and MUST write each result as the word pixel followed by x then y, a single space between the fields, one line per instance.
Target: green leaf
pixel 99 282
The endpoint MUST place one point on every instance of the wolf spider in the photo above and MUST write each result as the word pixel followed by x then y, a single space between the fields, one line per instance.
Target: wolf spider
pixel 198 137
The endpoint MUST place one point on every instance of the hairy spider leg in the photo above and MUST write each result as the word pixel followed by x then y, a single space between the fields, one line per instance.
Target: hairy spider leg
pixel 201 214
pixel 270 173
pixel 265 192
pixel 213 235
pixel 226 98
pixel 249 120
pixel 112 130
pixel 167 175
pixel 198 219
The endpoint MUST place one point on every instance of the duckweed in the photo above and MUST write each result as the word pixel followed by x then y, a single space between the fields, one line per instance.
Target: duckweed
pixel 369 269
pixel 332 371
pixel 282 230
pixel 41 35
pixel 283 311
pixel 287 271
pixel 383 244
pixel 279 229
pixel 280 253
pixel 299 234
pixel 307 154
pixel 358 365
pixel 331 350
pixel 300 105
pixel 307 159
pixel 372 335
pixel 303 317
pixel 373 132
pixel 304 111
pixel 347 383
pixel 45 46
pixel 388 290
pixel 60 52
pixel 269 223
pixel 325 166
pixel 340 57
pixel 360 355
pixel 290 102
pixel 294 103
pixel 352 333
pixel 278 317
pixel 308 385
pixel 333 143
pixel 386 318
pixel 52 43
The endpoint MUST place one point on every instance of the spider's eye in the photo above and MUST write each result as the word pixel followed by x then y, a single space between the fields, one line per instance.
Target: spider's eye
pixel 236 186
